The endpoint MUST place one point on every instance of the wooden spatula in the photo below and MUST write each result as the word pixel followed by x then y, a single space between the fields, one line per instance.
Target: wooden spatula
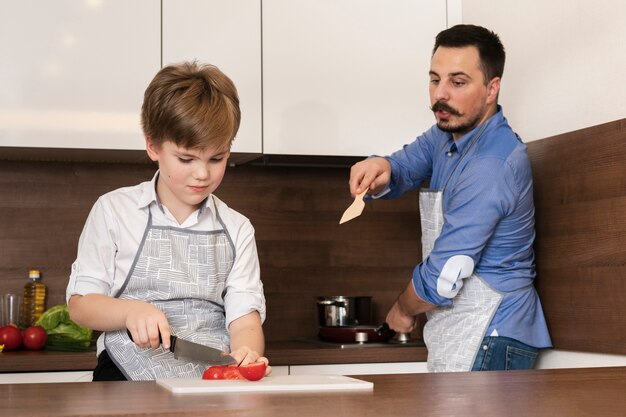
pixel 355 209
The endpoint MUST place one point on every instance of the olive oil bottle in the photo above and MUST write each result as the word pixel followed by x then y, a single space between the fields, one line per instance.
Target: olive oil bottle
pixel 34 299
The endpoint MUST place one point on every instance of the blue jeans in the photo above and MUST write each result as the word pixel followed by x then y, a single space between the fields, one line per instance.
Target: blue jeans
pixel 504 354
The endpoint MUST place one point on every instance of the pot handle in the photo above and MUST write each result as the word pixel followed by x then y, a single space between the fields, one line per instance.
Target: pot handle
pixel 332 303
pixel 384 329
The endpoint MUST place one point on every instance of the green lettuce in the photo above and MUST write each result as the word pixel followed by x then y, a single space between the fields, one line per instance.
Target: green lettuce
pixel 63 333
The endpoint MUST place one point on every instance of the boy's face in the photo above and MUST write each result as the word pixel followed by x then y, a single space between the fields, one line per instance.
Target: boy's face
pixel 187 176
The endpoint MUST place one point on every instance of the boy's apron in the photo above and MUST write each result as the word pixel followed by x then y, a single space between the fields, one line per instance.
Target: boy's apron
pixel 453 334
pixel 183 273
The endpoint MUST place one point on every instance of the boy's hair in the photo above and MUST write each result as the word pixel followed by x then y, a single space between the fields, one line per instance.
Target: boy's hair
pixel 490 48
pixel 192 105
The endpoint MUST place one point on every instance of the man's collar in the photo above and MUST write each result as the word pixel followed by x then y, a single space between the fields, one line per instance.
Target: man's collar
pixel 461 144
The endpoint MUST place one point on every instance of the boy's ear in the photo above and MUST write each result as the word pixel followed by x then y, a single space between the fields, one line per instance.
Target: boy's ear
pixel 152 149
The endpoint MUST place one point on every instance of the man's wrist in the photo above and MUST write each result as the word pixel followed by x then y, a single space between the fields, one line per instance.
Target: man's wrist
pixel 410 304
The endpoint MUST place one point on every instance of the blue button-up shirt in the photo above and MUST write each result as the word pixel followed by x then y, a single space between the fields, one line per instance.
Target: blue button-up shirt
pixel 488 216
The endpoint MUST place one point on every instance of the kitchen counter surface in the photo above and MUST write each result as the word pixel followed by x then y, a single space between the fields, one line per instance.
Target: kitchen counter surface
pixel 297 352
pixel 554 392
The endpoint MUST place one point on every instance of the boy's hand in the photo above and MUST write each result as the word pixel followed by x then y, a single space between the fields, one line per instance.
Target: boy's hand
pixel 245 356
pixel 148 325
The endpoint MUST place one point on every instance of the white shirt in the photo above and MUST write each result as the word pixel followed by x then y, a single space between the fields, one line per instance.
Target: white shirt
pixel 114 230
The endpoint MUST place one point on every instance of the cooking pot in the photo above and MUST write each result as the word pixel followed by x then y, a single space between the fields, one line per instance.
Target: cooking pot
pixel 340 310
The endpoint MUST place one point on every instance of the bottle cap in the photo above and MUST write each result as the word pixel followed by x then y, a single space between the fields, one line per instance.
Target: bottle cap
pixel 34 273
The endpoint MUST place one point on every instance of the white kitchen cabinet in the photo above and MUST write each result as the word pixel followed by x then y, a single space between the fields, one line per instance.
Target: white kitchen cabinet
pixel 348 77
pixel 360 368
pixel 73 72
pixel 227 34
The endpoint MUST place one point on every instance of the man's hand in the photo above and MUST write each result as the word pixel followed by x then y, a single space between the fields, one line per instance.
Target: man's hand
pixel 373 173
pixel 403 313
pixel 399 321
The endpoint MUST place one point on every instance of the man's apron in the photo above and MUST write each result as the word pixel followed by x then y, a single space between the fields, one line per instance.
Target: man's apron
pixel 453 334
pixel 182 272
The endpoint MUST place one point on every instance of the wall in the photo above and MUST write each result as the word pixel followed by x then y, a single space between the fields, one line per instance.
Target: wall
pixel 565 61
pixel 580 201
pixel 564 72
pixel 303 251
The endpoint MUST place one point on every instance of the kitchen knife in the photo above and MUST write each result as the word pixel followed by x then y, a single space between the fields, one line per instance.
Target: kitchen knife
pixel 196 352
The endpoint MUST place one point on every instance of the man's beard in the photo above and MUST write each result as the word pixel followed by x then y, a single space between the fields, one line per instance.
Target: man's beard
pixel 446 125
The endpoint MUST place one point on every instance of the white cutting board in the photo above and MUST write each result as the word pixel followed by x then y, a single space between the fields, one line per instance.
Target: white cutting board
pixel 278 383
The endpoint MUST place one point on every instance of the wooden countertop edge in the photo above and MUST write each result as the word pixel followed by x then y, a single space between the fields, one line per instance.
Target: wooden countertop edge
pixel 302 353
pixel 279 354
pixel 546 392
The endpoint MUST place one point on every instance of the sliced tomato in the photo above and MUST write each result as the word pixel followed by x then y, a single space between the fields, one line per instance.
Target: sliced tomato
pixel 214 372
pixel 253 371
pixel 232 372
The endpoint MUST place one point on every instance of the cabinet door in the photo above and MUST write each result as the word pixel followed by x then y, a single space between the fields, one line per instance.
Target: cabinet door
pixel 73 72
pixel 346 77
pixel 227 34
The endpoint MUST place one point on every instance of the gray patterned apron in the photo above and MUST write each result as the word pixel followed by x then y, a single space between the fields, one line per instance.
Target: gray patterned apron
pixel 182 272
pixel 453 334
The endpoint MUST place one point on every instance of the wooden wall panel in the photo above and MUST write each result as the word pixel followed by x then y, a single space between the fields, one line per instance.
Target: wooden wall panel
pixel 43 206
pixel 580 195
pixel 580 199
pixel 303 251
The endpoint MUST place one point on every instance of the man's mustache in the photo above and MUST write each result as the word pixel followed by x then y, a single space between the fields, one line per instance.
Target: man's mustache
pixel 441 106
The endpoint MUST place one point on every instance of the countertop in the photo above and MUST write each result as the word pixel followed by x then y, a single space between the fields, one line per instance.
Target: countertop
pixel 292 352
pixel 552 392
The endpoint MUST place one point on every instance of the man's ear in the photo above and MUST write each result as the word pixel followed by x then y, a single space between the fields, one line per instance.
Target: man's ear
pixel 493 89
pixel 152 149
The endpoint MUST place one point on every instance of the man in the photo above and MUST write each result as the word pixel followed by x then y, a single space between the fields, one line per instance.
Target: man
pixel 475 282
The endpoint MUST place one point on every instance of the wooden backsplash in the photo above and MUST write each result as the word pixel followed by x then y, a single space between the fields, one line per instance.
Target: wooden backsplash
pixel 580 201
pixel 303 251
pixel 580 196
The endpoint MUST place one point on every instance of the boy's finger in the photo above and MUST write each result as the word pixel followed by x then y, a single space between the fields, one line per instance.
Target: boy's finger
pixel 165 335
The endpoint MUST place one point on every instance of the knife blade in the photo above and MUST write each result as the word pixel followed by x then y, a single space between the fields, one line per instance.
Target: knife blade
pixel 192 351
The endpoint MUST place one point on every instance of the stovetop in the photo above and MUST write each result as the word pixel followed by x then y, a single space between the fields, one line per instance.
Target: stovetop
pixel 392 343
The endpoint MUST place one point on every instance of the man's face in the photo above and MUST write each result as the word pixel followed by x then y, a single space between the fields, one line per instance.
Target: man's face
pixel 458 94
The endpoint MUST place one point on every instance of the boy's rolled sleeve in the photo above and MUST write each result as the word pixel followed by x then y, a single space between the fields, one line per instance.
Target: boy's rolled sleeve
pixel 244 289
pixel 94 268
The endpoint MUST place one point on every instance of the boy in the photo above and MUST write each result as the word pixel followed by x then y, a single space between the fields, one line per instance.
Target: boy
pixel 167 256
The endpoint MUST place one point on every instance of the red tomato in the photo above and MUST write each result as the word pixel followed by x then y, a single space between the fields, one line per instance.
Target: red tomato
pixel 253 371
pixel 232 372
pixel 214 372
pixel 35 338
pixel 10 337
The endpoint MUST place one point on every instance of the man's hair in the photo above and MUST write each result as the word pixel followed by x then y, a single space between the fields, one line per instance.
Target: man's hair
pixel 194 106
pixel 490 48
